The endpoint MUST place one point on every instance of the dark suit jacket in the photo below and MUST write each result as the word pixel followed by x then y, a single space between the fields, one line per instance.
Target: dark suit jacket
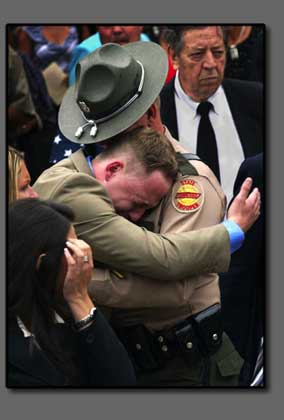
pixel 242 287
pixel 103 360
pixel 246 103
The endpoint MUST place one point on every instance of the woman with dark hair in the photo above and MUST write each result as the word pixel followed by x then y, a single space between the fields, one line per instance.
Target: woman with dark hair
pixel 56 336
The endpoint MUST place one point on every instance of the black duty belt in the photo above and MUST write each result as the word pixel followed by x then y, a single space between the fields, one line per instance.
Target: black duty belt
pixel 198 336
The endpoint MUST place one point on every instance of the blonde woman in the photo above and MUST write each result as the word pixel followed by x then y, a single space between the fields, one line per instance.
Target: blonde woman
pixel 19 177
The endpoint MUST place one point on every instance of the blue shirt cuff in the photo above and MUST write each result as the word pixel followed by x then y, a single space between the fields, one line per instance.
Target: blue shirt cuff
pixel 236 235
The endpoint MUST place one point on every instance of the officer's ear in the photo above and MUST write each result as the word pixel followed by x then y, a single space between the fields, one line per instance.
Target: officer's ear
pixel 112 169
pixel 152 114
pixel 174 58
pixel 154 117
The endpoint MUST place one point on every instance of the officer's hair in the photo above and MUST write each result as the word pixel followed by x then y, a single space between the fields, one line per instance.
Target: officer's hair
pixel 177 40
pixel 147 147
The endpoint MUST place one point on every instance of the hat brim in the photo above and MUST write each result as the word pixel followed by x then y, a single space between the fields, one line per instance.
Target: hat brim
pixel 155 62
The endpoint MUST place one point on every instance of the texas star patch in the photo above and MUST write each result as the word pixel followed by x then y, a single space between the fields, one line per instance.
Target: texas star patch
pixel 188 197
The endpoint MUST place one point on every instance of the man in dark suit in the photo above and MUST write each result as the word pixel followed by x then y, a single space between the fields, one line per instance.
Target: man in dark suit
pixel 242 287
pixel 236 106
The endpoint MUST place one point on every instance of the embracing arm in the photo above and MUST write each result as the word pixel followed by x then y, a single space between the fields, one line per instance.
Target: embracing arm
pixel 122 245
pixel 136 291
pixel 126 247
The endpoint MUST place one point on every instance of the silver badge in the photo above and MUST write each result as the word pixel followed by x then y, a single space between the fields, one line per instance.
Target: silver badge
pixel 84 107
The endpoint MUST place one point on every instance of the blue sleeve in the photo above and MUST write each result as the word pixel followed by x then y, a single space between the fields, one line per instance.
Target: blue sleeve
pixel 236 234
pixel 77 54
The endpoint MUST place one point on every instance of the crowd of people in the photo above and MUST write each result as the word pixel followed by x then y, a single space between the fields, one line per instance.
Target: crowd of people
pixel 135 158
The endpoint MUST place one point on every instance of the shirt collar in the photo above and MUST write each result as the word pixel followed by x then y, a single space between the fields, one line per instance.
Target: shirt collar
pixel 89 160
pixel 215 99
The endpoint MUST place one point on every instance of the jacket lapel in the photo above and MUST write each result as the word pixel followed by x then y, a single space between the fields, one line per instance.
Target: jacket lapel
pixel 168 108
pixel 36 365
pixel 246 126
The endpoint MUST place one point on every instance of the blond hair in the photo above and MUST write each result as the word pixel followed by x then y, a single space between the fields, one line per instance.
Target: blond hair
pixel 14 164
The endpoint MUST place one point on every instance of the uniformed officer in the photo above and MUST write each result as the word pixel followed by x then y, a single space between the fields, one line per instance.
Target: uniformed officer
pixel 195 201
pixel 192 196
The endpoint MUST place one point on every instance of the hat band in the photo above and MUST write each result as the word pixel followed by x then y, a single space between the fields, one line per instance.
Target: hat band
pixel 93 123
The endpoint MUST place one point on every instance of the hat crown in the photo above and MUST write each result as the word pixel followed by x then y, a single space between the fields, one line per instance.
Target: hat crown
pixel 106 80
pixel 143 65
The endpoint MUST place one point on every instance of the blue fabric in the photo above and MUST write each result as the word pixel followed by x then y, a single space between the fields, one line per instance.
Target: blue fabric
pixel 41 99
pixel 86 47
pixel 63 148
pixel 236 234
pixel 89 160
pixel 46 53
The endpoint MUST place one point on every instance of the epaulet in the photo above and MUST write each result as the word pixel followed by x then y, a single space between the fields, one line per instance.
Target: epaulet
pixel 185 167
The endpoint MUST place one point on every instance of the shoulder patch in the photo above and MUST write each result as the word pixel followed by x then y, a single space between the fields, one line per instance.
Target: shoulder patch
pixel 188 196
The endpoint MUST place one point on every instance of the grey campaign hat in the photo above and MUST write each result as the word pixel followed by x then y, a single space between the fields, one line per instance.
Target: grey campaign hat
pixel 115 85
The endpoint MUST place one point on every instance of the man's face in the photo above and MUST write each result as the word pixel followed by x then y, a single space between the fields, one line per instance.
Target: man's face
pixel 134 193
pixel 120 34
pixel 201 62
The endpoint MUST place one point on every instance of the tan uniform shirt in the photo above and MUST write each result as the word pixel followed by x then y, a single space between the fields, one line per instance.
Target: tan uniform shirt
pixel 159 304
pixel 194 202
pixel 122 245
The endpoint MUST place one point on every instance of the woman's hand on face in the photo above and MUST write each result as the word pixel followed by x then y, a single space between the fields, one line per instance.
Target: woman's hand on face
pixel 79 271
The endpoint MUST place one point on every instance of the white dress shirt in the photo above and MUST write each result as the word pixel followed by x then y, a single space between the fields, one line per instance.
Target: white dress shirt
pixel 230 151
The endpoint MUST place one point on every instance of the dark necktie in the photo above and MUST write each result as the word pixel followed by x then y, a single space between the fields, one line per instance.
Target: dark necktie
pixel 206 141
